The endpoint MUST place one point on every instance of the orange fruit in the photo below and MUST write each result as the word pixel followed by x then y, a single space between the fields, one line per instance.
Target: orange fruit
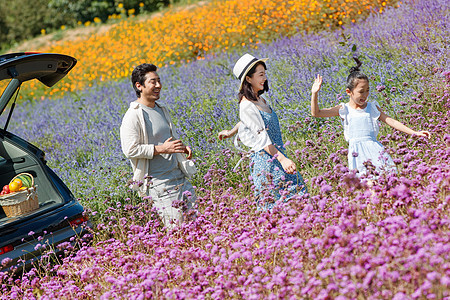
pixel 15 185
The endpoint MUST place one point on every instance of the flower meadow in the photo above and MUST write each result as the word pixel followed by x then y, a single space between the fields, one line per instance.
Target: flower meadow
pixel 342 241
pixel 207 27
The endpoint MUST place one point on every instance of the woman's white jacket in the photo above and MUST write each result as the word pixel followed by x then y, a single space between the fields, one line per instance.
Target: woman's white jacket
pixel 252 131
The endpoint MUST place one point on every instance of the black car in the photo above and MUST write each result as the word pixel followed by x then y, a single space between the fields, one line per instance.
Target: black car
pixel 59 216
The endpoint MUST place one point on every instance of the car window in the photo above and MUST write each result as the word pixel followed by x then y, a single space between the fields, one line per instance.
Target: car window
pixel 3 85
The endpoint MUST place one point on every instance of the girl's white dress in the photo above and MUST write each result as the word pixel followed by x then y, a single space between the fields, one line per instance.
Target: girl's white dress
pixel 361 127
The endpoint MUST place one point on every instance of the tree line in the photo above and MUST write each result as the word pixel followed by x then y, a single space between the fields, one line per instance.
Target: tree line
pixel 21 20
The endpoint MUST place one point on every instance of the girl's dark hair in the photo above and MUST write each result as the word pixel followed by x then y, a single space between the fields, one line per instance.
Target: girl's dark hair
pixel 355 73
pixel 138 75
pixel 246 89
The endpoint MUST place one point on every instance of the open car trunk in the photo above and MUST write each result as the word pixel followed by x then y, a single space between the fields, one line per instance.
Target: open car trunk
pixel 15 159
pixel 48 68
pixel 16 155
pixel 58 216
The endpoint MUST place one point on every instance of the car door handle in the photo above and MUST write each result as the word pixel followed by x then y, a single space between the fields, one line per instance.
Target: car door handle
pixel 18 160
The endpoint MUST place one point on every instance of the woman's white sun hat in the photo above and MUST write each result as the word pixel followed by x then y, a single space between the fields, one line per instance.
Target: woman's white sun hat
pixel 243 65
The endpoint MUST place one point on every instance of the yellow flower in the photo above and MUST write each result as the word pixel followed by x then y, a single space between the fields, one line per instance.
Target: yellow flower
pixel 188 34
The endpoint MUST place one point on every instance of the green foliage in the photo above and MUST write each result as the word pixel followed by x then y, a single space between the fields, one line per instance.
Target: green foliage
pixel 51 15
pixel 19 20
pixel 3 28
pixel 83 10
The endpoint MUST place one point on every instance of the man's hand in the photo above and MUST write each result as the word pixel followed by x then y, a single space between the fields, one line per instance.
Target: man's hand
pixel 188 152
pixel 170 146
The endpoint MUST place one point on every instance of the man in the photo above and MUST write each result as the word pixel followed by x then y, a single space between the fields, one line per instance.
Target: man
pixel 149 140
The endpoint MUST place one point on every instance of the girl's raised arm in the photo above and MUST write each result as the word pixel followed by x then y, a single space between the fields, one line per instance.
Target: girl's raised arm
pixel 315 111
pixel 400 126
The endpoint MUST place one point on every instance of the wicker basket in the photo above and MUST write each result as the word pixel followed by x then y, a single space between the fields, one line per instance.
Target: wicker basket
pixel 21 202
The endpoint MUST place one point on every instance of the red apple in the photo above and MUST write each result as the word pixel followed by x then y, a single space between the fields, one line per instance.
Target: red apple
pixel 6 189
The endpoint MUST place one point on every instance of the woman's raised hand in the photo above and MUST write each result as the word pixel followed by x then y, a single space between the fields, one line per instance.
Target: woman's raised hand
pixel 317 84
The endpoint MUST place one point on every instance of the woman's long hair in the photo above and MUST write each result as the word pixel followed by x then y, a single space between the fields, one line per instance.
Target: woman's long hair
pixel 247 90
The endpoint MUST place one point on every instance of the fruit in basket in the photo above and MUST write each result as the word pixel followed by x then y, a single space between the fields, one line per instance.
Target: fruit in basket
pixel 5 190
pixel 15 185
pixel 27 181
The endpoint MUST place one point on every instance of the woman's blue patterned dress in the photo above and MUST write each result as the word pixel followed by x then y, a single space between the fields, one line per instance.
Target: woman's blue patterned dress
pixel 271 182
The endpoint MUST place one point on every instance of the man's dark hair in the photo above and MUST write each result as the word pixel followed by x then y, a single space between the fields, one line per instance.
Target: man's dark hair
pixel 246 90
pixel 138 75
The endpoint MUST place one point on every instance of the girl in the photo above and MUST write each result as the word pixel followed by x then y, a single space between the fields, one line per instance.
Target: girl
pixel 360 121
pixel 274 175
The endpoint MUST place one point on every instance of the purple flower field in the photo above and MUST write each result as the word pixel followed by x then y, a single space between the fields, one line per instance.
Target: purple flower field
pixel 344 241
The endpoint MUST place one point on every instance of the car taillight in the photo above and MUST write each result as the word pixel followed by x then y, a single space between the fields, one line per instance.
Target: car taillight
pixel 78 221
pixel 6 249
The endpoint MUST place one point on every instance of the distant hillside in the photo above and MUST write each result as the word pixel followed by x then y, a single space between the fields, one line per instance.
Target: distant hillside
pixel 186 33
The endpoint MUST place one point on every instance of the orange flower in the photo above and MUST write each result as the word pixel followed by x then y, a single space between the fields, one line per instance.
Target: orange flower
pixel 187 34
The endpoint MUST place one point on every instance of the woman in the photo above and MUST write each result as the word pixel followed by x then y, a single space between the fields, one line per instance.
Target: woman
pixel 274 175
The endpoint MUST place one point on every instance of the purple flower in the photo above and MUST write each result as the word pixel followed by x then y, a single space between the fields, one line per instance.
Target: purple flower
pixel 380 88
pixel 6 262
pixel 446 75
pixel 325 188
pixel 259 270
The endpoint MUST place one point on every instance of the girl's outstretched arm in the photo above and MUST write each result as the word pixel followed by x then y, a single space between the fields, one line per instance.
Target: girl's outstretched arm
pixel 315 111
pixel 225 134
pixel 400 126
